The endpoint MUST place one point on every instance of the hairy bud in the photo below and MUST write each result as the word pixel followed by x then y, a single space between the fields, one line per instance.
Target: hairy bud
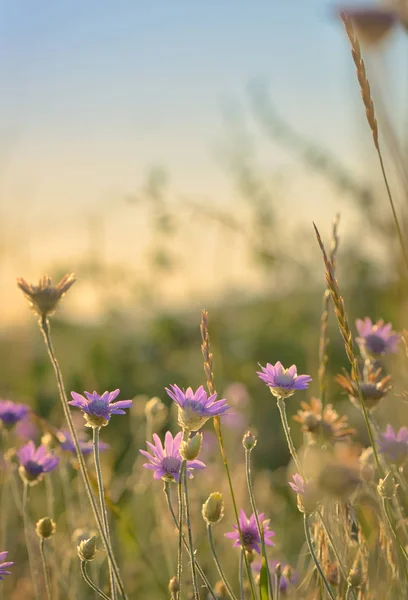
pixel 213 508
pixel 190 449
pixel 87 549
pixel 45 527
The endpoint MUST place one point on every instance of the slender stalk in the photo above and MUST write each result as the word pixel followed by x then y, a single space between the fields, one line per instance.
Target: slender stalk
pixel 45 569
pixel 208 370
pixel 176 523
pixel 254 510
pixel 45 329
pixel 90 582
pixel 96 431
pixel 241 575
pixel 218 564
pixel 286 429
pixel 180 528
pixel 27 531
pixel 278 580
pixel 312 552
pixel 184 477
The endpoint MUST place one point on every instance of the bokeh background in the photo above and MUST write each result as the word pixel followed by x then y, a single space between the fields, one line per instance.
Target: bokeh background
pixel 174 155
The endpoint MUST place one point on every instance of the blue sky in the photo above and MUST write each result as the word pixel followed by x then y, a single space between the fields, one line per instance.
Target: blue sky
pixel 94 93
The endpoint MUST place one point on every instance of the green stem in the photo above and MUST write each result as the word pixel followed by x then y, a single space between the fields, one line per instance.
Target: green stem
pixel 45 569
pixel 90 582
pixel 278 580
pixel 218 564
pixel 180 529
pixel 254 509
pixel 241 574
pixel 45 329
pixel 312 552
pixel 218 431
pixel 184 477
pixel 27 532
pixel 96 431
pixel 286 429
pixel 176 523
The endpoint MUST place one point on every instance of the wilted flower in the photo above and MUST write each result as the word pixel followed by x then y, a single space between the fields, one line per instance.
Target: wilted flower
pixel 11 413
pixel 394 444
pixel 87 549
pixel 35 462
pixel 283 382
pixel 195 408
pixel 250 535
pixel 97 410
pixel 44 297
pixel 323 422
pixel 373 389
pixel 166 460
pixel 376 340
pixel 45 527
pixel 4 565
pixel 67 443
pixel 372 23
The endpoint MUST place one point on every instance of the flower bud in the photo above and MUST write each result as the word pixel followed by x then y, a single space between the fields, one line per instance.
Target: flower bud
pixel 190 449
pixel 249 441
pixel 220 590
pixel 154 407
pixel 174 587
pixel 45 527
pixel 278 570
pixel 387 488
pixel 355 577
pixel 87 549
pixel 288 572
pixel 250 556
pixel 213 508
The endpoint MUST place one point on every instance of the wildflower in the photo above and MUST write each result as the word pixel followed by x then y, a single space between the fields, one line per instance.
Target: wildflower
pixel 44 297
pixel 394 444
pixel 376 340
pixel 87 549
pixel 97 410
pixel 288 575
pixel 45 527
pixel 283 382
pixel 213 508
pixel 307 497
pixel 4 565
pixel 11 413
pixel 250 535
pixel 67 443
pixel 373 389
pixel 166 460
pixel 195 408
pixel 323 422
pixel 35 462
pixel 372 23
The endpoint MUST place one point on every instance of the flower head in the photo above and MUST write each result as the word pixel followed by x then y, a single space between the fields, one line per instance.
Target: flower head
pixel 67 443
pixel 373 389
pixel 44 297
pixel 195 408
pixel 323 422
pixel 97 410
pixel 4 565
pixel 394 444
pixel 166 460
pixel 376 340
pixel 250 535
pixel 35 462
pixel 11 413
pixel 283 382
pixel 307 493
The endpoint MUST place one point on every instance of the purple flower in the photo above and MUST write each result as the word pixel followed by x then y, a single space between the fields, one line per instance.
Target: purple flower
pixel 195 408
pixel 11 413
pixel 288 577
pixel 299 485
pixel 283 382
pixel 166 460
pixel 35 462
pixel 250 535
pixel 376 340
pixel 67 443
pixel 97 410
pixel 4 565
pixel 394 445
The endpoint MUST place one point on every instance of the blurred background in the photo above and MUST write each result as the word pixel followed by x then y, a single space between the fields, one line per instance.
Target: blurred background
pixel 174 155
